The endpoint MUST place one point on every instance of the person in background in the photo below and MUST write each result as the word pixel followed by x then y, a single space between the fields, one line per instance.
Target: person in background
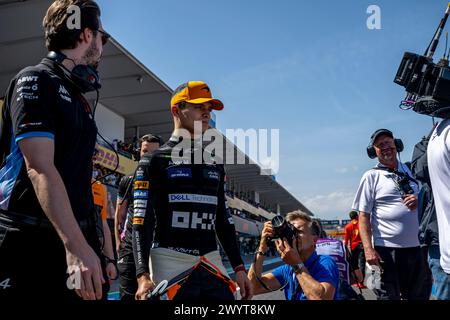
pixel 335 248
pixel 386 200
pixel 352 241
pixel 431 167
pixel 99 193
pixel 123 226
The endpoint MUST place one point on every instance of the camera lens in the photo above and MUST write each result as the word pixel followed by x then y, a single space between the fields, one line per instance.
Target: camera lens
pixel 404 186
pixel 277 221
pixel 283 229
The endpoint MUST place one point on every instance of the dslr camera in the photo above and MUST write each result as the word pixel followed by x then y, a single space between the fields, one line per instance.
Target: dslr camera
pixel 427 84
pixel 283 229
pixel 405 187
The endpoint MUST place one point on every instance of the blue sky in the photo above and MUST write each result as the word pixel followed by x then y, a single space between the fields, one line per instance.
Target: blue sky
pixel 309 68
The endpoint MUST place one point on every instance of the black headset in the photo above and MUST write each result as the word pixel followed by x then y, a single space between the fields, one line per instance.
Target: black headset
pixel 371 150
pixel 83 76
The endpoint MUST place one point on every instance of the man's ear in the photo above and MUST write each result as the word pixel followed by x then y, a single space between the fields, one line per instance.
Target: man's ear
pixel 85 35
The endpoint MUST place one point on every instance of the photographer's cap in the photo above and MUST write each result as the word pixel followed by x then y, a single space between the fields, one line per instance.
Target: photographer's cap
pixel 195 92
pixel 380 132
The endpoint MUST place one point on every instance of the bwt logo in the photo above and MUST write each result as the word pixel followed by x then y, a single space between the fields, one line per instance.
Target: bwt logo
pixel 27 79
pixel 374 20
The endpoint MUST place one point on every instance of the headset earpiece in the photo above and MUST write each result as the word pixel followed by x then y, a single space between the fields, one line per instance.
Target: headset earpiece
pixel 371 152
pixel 399 145
pixel 58 57
pixel 85 77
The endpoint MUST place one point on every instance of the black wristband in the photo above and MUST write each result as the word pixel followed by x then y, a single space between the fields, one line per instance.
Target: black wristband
pixel 261 253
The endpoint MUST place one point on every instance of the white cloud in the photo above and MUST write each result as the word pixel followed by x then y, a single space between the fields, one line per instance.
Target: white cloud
pixel 335 205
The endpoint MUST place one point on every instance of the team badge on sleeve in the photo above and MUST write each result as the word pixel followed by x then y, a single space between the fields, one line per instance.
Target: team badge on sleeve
pixel 138 221
pixel 140 194
pixel 141 185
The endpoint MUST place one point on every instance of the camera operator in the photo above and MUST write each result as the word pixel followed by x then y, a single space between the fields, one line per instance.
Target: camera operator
pixel 48 134
pixel 305 275
pixel 439 168
pixel 387 203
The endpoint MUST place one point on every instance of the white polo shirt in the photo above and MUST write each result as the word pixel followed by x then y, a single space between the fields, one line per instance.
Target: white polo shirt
pixel 438 153
pixel 393 224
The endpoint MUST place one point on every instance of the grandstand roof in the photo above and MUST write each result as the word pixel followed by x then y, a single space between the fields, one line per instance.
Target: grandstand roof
pixel 129 89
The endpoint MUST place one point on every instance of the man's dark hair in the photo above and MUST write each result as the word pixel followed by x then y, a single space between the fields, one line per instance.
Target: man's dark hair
pixel 58 35
pixel 150 138
pixel 353 215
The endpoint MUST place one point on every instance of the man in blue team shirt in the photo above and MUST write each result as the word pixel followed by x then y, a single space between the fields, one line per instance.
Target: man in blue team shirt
pixel 305 275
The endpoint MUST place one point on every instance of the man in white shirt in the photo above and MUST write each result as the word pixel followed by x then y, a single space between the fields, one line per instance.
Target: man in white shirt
pixel 438 153
pixel 387 203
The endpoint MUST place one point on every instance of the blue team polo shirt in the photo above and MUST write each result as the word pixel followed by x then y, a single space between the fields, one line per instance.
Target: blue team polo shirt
pixel 324 269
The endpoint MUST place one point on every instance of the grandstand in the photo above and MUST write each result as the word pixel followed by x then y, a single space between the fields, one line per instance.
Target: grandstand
pixel 134 101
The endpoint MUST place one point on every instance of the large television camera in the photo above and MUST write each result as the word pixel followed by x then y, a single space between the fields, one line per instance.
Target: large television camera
pixel 427 84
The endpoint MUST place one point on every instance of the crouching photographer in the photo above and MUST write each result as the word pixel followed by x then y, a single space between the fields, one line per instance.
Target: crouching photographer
pixel 305 275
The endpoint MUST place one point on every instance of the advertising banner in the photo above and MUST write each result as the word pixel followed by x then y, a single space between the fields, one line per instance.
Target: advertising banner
pixel 107 158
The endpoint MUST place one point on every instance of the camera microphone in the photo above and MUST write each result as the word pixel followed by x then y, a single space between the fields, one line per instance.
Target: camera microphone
pixel 437 35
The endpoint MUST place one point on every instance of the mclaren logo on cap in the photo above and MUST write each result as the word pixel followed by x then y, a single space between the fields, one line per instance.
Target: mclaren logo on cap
pixel 195 92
